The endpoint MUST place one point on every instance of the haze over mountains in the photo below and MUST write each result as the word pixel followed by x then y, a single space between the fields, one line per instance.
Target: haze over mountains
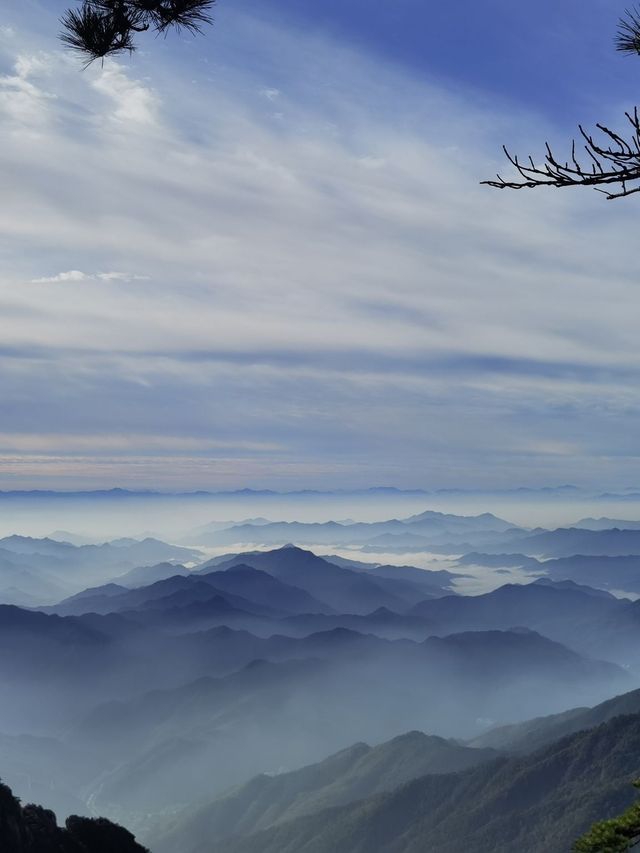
pixel 426 528
pixel 279 699
pixel 550 780
pixel 35 569
pixel 536 803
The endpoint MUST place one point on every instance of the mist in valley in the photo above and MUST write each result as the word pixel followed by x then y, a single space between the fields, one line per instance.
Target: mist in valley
pixel 144 679
pixel 319 524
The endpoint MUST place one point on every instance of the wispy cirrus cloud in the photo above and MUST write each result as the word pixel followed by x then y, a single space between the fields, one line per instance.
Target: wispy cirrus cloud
pixel 327 283
pixel 23 100
pixel 133 102
pixel 78 275
pixel 131 443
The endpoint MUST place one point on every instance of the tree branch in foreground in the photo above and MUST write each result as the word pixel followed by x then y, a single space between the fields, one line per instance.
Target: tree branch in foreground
pixel 611 160
pixel 100 28
pixel 616 835
pixel 610 165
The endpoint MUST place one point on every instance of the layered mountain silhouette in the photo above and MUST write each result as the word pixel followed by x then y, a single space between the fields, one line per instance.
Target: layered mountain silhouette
pixel 164 680
pixel 566 542
pixel 342 588
pixel 531 734
pixel 41 571
pixel 118 552
pixel 604 523
pixel 316 694
pixel 127 638
pixel 590 623
pixel 145 575
pixel 349 775
pixel 539 803
pixel 423 529
pixel 610 573
pixel 288 580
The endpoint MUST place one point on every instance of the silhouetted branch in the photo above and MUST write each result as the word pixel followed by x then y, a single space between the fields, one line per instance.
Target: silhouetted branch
pixel 100 28
pixel 628 38
pixel 611 159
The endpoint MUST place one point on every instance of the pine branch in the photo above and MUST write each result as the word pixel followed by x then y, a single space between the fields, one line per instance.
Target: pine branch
pixel 628 38
pixel 101 28
pixel 95 34
pixel 190 15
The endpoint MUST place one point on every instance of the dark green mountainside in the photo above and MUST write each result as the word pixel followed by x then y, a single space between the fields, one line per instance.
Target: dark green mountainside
pixel 357 772
pixel 33 829
pixel 539 803
pixel 536 733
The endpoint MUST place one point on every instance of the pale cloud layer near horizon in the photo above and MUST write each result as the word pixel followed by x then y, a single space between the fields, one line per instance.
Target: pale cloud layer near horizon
pixel 282 272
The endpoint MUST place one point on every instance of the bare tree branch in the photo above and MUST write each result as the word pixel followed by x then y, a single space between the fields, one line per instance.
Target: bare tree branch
pixel 608 158
pixel 612 159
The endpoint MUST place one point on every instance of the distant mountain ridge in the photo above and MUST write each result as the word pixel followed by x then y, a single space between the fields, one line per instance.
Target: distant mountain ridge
pixel 169 683
pixel 605 523
pixel 356 772
pixel 42 570
pixel 591 624
pixel 132 550
pixel 428 526
pixel 533 734
pixel 539 803
pixel 620 573
pixel 566 542
pixel 282 710
pixel 343 589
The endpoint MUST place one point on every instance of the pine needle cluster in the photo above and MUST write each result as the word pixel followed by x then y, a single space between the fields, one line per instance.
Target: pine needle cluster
pixel 102 28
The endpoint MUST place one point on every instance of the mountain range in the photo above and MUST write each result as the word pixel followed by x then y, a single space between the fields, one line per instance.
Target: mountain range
pixel 38 571
pixel 538 803
pixel 201 696
pixel 349 775
pixel 379 799
pixel 422 529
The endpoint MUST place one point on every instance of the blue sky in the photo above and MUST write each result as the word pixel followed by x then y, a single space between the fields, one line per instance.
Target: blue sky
pixel 263 258
pixel 556 57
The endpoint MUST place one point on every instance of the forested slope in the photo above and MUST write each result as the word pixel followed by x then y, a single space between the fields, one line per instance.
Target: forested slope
pixel 539 803
pixel 33 829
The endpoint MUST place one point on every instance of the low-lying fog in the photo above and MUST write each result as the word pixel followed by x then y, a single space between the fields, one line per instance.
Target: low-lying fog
pixel 146 676
pixel 106 517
